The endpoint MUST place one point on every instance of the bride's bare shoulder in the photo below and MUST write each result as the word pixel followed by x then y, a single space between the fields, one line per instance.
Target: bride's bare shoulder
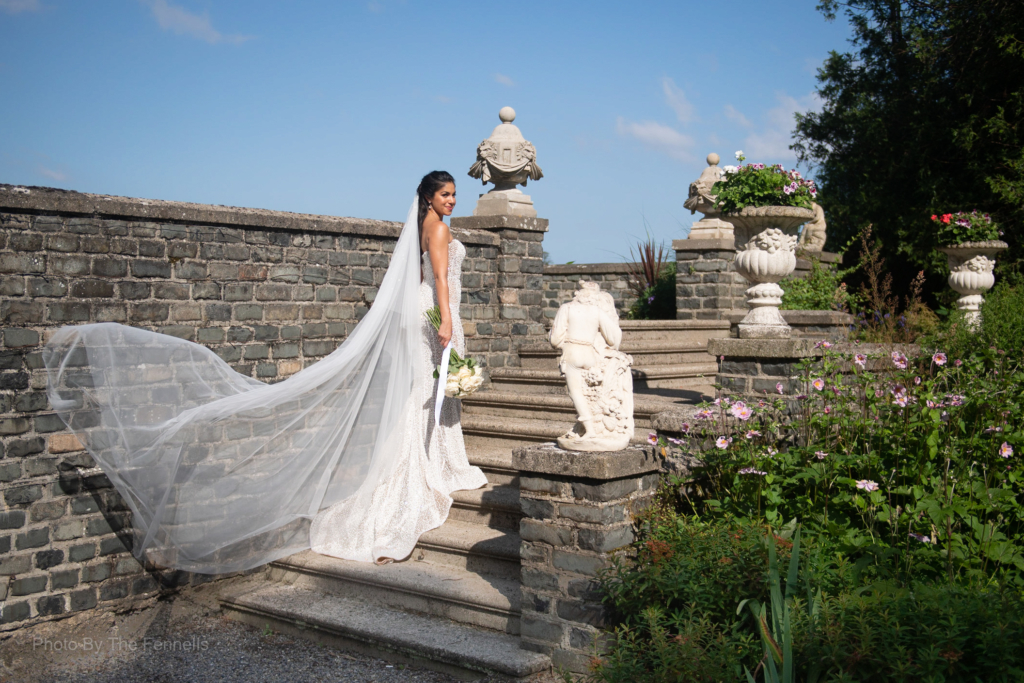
pixel 435 231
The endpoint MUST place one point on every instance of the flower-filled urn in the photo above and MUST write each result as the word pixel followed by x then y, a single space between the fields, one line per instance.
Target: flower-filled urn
pixel 506 159
pixel 971 266
pixel 765 254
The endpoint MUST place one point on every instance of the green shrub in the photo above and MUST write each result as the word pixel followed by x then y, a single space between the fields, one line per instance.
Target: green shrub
pixel 822 289
pixel 1002 325
pixel 657 302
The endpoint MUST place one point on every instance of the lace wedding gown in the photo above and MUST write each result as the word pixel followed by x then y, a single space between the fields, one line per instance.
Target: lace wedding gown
pixel 416 495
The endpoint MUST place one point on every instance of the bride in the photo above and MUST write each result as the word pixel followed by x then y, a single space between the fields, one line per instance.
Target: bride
pixel 224 473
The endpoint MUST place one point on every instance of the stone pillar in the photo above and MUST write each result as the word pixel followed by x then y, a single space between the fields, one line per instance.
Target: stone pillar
pixel 707 284
pixel 509 307
pixel 578 513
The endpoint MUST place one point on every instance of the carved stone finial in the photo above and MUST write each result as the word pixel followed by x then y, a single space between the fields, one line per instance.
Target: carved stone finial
pixel 507 159
pixel 597 374
pixel 701 199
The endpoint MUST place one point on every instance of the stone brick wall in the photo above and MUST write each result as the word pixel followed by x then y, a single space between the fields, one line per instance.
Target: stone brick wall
pixel 269 292
pixel 562 281
pixel 707 284
pixel 578 513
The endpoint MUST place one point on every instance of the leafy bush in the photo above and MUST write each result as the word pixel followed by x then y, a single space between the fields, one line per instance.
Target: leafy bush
pixel 657 301
pixel 822 289
pixel 1002 325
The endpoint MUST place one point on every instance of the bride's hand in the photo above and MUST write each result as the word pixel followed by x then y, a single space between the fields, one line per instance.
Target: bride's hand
pixel 444 333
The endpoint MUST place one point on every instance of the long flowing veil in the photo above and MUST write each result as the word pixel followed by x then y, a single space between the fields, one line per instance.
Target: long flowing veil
pixel 223 472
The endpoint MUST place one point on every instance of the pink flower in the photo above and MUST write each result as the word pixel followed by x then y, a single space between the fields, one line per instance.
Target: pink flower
pixel 675 442
pixel 956 400
pixel 823 344
pixel 820 455
pixel 752 433
pixel 778 387
pixel 772 452
pixel 861 360
pixel 932 404
pixel 917 381
pixel 686 428
pixel 919 537
pixel 900 400
pixel 939 358
pixel 828 411
pixel 878 393
pixel 722 442
pixel 741 411
pixel 867 485
pixel 989 430
pixel 751 470
pixel 899 360
pixel 1006 450
pixel 705 414
pixel 652 439
pixel 958 362
pixel 818 384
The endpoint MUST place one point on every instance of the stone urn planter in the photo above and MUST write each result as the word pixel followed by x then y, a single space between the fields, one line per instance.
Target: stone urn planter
pixel 970 274
pixel 766 239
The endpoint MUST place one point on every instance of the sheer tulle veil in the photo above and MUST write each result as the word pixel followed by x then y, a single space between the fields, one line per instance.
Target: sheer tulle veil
pixel 223 472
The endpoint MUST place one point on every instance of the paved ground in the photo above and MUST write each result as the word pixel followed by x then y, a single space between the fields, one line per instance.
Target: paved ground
pixel 184 639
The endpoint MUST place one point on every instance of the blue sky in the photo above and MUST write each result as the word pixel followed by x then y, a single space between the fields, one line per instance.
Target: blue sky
pixel 339 107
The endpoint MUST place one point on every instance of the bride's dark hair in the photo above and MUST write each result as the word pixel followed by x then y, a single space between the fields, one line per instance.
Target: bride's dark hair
pixel 431 183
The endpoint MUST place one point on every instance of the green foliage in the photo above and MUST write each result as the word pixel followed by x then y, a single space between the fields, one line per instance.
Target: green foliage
pixel 924 115
pixel 822 289
pixel 911 470
pixel 1002 325
pixel 657 301
pixel 760 185
pixel 960 227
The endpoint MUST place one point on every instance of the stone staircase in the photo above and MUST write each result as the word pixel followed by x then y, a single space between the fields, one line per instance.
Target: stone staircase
pixel 454 605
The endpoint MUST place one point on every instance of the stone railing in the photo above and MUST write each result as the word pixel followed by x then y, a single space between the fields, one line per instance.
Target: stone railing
pixel 269 292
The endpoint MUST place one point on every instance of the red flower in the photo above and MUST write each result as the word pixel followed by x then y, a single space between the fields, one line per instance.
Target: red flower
pixel 946 217
pixel 934 217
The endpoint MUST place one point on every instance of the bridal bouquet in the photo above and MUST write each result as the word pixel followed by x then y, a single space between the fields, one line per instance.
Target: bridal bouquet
pixel 464 374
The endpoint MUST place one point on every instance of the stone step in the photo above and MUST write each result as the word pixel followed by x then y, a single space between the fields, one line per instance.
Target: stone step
pixel 472 547
pixel 430 642
pixel 543 356
pixel 509 432
pixel 680 376
pixel 673 330
pixel 550 406
pixel 436 589
pixel 495 462
pixel 495 506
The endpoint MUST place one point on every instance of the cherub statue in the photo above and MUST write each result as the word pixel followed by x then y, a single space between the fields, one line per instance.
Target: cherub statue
pixel 597 374
pixel 813 236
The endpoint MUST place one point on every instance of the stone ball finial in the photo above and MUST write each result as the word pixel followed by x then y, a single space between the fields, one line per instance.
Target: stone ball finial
pixel 507 114
pixel 713 159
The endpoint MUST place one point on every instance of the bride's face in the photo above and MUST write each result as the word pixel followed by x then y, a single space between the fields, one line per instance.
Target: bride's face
pixel 444 200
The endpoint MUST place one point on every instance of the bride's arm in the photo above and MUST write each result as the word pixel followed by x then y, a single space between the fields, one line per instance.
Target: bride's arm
pixel 438 237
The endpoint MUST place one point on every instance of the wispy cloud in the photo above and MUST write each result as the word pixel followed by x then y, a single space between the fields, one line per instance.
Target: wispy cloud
pixel 658 137
pixel 772 142
pixel 734 115
pixel 676 99
pixel 504 80
pixel 18 6
pixel 179 20
pixel 51 174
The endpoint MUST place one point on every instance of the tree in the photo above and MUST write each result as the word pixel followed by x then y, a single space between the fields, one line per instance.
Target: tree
pixel 925 116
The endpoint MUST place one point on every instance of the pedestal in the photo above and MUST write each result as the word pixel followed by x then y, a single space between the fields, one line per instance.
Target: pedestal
pixel 505 203
pixel 578 512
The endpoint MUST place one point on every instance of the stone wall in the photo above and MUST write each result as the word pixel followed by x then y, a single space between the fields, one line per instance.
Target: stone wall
pixel 707 284
pixel 269 292
pixel 562 281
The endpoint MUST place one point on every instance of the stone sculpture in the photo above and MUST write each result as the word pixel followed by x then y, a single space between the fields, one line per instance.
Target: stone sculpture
pixel 507 159
pixel 597 374
pixel 701 199
pixel 813 236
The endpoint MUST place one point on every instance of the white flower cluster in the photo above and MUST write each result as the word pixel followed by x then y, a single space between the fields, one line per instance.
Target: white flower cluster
pixel 773 240
pixel 463 383
pixel 729 170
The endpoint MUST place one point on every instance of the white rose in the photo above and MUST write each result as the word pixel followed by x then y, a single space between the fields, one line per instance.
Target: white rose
pixel 465 372
pixel 478 371
pixel 472 384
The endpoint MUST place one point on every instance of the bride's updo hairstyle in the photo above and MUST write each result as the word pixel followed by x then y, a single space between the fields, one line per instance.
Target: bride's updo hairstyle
pixel 431 183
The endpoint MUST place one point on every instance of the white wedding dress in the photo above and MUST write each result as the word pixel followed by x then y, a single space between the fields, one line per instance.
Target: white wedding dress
pixel 432 463
pixel 223 472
